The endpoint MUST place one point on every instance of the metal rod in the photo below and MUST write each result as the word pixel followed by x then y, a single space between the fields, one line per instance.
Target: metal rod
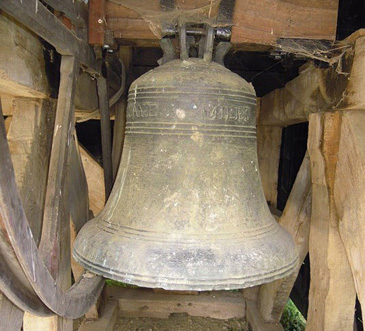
pixel 183 48
pixel 220 32
pixel 168 49
pixel 209 44
pixel 221 51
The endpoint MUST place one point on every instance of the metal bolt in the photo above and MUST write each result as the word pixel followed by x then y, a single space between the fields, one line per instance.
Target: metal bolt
pixel 100 21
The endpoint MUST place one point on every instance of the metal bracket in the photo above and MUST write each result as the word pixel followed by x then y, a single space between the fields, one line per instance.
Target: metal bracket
pixel 223 33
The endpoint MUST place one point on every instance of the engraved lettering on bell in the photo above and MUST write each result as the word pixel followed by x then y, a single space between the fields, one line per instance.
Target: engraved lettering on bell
pixel 240 114
pixel 187 210
pixel 143 111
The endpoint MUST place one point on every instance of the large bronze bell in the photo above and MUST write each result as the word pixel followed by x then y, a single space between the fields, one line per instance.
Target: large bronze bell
pixel 187 211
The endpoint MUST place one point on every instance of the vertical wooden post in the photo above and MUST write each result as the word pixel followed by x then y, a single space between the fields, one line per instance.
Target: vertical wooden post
pixel 97 22
pixel 79 202
pixel 268 148
pixel 7 123
pixel 355 96
pixel 29 138
pixel 11 316
pixel 332 292
pixel 349 194
pixel 94 177
pixel 55 240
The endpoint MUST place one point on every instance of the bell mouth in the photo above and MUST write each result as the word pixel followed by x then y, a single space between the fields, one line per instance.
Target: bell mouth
pixel 203 265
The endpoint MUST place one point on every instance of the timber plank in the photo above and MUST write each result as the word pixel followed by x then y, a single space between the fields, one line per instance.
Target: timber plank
pixel 263 22
pixel 29 138
pixel 11 317
pixel 254 22
pixel 293 103
pixel 53 323
pixel 7 104
pixel 257 322
pixel 130 29
pixel 355 96
pixel 106 320
pixel 97 22
pixel 86 97
pixel 95 181
pixel 268 150
pixel 56 190
pixel 76 300
pixel 22 65
pixel 349 194
pixel 332 292
pixel 79 203
pixel 315 90
pixel 55 236
pixel 143 302
pixel 7 124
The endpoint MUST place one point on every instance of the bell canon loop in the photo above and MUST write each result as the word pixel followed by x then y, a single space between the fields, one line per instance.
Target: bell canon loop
pixel 187 210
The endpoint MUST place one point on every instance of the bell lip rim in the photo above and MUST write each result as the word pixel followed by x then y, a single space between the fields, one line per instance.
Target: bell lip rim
pixel 226 284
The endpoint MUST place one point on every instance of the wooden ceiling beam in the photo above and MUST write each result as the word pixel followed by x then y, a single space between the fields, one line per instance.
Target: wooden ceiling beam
pixel 254 22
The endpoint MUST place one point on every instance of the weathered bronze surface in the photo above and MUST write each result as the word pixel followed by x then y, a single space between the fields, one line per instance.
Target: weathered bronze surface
pixel 187 211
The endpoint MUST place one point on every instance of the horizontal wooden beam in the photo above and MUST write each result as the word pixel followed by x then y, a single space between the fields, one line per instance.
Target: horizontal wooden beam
pixel 147 303
pixel 35 16
pixel 339 87
pixel 293 103
pixel 22 65
pixel 263 22
pixel 130 29
pixel 254 22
